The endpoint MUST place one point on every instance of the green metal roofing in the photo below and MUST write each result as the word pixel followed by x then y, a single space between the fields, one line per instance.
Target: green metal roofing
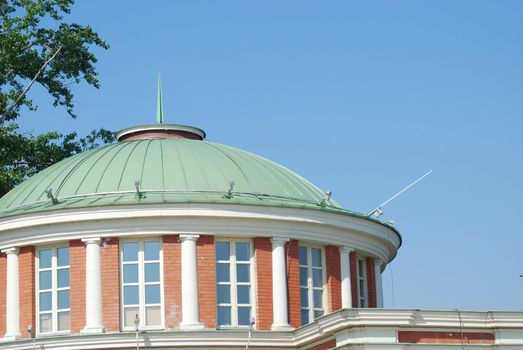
pixel 170 170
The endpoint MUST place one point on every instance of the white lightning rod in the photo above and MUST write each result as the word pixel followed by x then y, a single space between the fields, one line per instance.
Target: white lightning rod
pixel 378 208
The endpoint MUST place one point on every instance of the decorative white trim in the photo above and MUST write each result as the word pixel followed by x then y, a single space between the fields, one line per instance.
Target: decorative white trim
pixel 190 307
pixel 373 327
pixel 346 289
pixel 372 238
pixel 93 287
pixel 279 285
pixel 12 295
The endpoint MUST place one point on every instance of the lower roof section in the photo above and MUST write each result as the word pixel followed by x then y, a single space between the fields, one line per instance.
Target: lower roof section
pixel 362 329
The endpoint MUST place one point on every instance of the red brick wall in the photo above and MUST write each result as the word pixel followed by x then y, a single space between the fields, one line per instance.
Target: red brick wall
pixel 293 283
pixel 263 257
pixel 77 263
pixel 371 282
pixel 445 337
pixel 332 258
pixel 329 344
pixel 353 278
pixel 27 288
pixel 172 281
pixel 110 257
pixel 206 280
pixel 3 283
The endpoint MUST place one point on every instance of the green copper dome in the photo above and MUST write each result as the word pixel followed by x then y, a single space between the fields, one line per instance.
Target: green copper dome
pixel 165 170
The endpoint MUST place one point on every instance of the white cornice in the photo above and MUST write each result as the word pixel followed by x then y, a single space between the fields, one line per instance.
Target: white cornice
pixel 336 324
pixel 232 220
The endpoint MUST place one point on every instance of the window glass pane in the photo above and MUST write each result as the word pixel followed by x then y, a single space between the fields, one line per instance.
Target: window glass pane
pixel 152 294
pixel 129 315
pixel 152 272
pixel 222 273
pixel 46 323
pixel 153 316
pixel 44 280
pixel 130 295
pixel 223 294
pixel 360 267
pixel 130 273
pixel 45 301
pixel 62 256
pixel 317 280
pixel 224 315
pixel 304 297
pixel 64 321
pixel 243 251
pixel 316 257
pixel 244 315
pixel 44 258
pixel 242 272
pixel 362 288
pixel 303 276
pixel 318 298
pixel 63 278
pixel 303 256
pixel 151 250
pixel 318 313
pixel 223 251
pixel 130 251
pixel 244 293
pixel 304 317
pixel 63 299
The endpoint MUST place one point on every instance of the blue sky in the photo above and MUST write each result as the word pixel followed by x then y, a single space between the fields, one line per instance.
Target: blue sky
pixel 358 97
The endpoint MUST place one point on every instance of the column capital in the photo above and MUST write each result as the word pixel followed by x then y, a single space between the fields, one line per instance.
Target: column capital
pixel 11 250
pixel 378 262
pixel 189 237
pixel 93 240
pixel 345 249
pixel 280 240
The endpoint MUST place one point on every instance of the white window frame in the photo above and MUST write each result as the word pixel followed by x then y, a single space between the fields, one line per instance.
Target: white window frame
pixel 310 286
pixel 363 300
pixel 233 282
pixel 54 289
pixel 141 284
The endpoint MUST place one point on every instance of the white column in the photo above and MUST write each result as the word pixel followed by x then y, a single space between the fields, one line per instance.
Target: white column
pixel 346 291
pixel 279 285
pixel 379 285
pixel 93 287
pixel 190 317
pixel 12 300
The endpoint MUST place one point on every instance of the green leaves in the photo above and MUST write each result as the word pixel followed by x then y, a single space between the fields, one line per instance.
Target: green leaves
pixel 23 155
pixel 26 44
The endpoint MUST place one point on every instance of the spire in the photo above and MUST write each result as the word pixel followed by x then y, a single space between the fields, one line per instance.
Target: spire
pixel 159 102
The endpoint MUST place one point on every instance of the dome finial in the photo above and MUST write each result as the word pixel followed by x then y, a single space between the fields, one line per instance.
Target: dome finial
pixel 159 102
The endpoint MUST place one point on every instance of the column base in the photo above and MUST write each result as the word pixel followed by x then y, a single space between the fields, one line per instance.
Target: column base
pixel 282 327
pixel 93 330
pixel 191 326
pixel 7 338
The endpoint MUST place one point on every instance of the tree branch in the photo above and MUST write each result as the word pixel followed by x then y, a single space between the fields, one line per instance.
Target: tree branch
pixel 13 105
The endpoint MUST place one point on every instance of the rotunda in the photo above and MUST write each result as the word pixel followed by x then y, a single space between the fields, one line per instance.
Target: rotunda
pixel 166 240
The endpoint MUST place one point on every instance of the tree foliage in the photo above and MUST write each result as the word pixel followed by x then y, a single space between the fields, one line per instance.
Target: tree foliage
pixel 38 47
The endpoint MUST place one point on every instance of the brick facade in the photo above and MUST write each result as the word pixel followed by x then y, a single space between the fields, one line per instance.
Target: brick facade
pixel 371 282
pixel 354 278
pixel 445 337
pixel 27 288
pixel 329 344
pixel 110 260
pixel 77 278
pixel 263 259
pixel 293 283
pixel 206 280
pixel 172 279
pixel 332 259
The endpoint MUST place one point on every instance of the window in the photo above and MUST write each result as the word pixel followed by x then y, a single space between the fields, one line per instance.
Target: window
pixel 362 283
pixel 311 283
pixel 233 283
pixel 53 286
pixel 142 283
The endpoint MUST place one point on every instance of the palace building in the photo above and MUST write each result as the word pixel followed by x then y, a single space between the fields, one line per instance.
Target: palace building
pixel 165 240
